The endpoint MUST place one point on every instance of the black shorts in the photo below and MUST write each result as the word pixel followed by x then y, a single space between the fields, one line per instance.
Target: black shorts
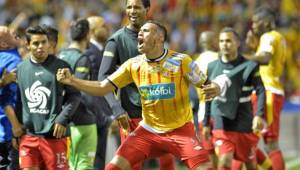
pixel 8 157
pixel 4 153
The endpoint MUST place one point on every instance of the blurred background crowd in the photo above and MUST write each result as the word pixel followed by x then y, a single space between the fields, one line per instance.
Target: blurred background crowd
pixel 185 20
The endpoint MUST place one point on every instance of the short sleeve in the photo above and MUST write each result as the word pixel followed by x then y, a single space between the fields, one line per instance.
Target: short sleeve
pixel 266 44
pixel 193 72
pixel 122 76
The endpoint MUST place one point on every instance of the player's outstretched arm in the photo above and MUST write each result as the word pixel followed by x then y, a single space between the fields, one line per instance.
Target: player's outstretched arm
pixel 94 88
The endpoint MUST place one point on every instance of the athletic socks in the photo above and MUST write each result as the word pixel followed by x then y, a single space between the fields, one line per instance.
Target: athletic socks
pixel 277 160
pixel 263 160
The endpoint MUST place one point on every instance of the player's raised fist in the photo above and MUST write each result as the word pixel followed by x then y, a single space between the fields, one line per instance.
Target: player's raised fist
pixel 64 76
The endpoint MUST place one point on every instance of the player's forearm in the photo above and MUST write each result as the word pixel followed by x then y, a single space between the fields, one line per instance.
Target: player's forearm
pixel 93 88
pixel 261 97
pixel 11 115
pixel 262 57
pixel 207 114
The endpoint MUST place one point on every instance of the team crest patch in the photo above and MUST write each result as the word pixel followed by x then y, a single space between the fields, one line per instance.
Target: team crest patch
pixel 154 69
pixel 158 91
pixel 170 67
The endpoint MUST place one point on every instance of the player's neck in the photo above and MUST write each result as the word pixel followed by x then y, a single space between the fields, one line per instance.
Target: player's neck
pixel 133 27
pixel 78 45
pixel 155 54
pixel 229 58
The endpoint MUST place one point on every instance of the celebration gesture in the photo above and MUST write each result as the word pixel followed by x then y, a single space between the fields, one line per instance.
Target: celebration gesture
pixel 64 76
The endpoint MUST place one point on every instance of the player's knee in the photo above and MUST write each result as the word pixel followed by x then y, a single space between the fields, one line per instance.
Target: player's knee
pixel 225 160
pixel 119 162
pixel 271 146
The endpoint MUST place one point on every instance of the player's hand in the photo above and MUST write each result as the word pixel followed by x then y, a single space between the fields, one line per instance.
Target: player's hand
pixel 15 143
pixel 64 76
pixel 123 121
pixel 59 130
pixel 211 90
pixel 206 132
pixel 251 40
pixel 257 124
pixel 114 127
pixel 8 77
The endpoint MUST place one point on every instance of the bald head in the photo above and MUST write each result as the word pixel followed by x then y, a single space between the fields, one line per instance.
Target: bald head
pixel 7 39
pixel 98 28
pixel 208 40
pixel 95 21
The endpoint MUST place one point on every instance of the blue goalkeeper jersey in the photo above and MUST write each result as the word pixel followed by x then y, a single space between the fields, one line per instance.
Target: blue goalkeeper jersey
pixel 9 59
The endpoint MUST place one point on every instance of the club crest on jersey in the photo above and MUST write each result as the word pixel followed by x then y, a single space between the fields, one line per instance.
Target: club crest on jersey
pixel 171 66
pixel 158 91
pixel 154 69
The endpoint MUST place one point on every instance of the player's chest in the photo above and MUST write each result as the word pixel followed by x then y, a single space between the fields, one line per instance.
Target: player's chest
pixel 159 72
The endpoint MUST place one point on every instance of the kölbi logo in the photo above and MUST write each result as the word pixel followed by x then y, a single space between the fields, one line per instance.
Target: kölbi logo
pixel 37 97
pixel 158 91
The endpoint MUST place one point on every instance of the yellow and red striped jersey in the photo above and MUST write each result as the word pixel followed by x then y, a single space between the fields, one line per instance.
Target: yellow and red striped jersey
pixel 274 43
pixel 163 85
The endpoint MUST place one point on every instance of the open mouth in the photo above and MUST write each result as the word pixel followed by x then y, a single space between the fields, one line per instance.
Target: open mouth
pixel 140 41
pixel 133 18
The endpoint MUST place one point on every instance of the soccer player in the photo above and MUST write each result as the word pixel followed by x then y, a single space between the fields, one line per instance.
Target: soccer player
pixel 83 123
pixel 208 43
pixel 234 124
pixel 162 77
pixel 44 118
pixel 99 33
pixel 9 59
pixel 121 46
pixel 270 52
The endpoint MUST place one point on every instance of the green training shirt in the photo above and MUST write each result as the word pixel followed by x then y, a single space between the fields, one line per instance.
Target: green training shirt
pixel 43 96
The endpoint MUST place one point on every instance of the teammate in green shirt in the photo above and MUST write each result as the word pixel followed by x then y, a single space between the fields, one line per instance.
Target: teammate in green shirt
pixel 234 124
pixel 44 119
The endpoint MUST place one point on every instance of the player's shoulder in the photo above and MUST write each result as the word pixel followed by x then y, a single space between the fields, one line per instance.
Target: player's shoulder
pixel 176 56
pixel 137 59
pixel 60 63
pixel 120 32
pixel 271 36
pixel 250 64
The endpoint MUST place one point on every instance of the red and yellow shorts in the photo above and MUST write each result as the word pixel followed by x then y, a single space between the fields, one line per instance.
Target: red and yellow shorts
pixel 133 124
pixel 181 142
pixel 242 145
pixel 41 152
pixel 274 104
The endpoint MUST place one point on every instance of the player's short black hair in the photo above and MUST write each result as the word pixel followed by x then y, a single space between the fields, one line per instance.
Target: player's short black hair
pixel 230 29
pixel 79 29
pixel 34 30
pixel 146 3
pixel 161 27
pixel 52 32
